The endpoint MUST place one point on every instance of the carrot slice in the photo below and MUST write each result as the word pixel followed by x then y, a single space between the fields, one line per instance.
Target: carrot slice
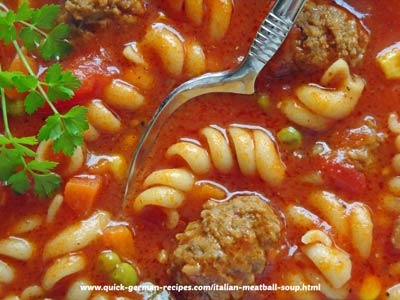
pixel 81 191
pixel 119 239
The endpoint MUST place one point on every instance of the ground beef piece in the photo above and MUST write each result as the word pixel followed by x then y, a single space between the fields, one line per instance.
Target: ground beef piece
pixel 230 244
pixel 98 11
pixel 359 146
pixel 322 34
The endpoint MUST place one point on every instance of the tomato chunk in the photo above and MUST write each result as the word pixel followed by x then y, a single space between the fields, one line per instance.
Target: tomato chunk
pixel 93 74
pixel 342 175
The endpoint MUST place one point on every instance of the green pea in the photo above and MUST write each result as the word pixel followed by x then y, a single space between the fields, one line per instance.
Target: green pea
pixel 107 261
pixel 290 136
pixel 125 274
pixel 263 102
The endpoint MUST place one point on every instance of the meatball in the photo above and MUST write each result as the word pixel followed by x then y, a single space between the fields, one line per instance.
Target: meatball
pixel 322 34
pixel 97 11
pixel 230 244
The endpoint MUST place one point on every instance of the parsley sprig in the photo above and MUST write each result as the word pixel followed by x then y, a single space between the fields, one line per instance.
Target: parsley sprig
pixel 38 31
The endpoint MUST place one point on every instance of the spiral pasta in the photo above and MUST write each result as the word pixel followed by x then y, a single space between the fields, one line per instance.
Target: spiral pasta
pixel 61 268
pixel 161 196
pixel 253 148
pixel 77 236
pixel 102 118
pixel 334 263
pixel 121 95
pixel 352 222
pixel 180 179
pixel 393 292
pixel 7 273
pixel 165 188
pixel 17 248
pixel 326 289
pixel 391 199
pixel 317 107
pixel 361 229
pixel 219 14
pixel 177 54
pixel 196 157
pixel 75 291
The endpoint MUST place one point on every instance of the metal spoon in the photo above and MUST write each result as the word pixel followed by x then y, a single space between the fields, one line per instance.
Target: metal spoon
pixel 270 36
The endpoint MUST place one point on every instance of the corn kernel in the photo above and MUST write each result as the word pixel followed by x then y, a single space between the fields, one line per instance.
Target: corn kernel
pixel 370 288
pixel 389 62
pixel 119 167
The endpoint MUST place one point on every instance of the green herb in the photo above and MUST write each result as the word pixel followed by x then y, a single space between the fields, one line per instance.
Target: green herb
pixel 38 31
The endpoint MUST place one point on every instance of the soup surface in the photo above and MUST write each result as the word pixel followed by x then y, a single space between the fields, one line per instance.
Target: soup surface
pixel 294 187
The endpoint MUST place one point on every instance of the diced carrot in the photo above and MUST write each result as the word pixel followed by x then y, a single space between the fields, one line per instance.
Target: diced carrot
pixel 119 239
pixel 81 192
pixel 208 191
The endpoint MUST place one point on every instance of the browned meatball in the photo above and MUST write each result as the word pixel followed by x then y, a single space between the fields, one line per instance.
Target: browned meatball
pixel 95 11
pixel 229 245
pixel 322 34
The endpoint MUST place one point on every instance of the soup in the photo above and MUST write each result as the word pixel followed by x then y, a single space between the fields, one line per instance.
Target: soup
pixel 290 193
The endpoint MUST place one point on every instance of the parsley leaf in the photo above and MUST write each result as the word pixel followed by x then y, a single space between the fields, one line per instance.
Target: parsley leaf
pixel 19 182
pixel 52 130
pixel 37 29
pixel 67 143
pixel 46 183
pixel 27 140
pixel 61 84
pixel 9 161
pixel 55 45
pixel 6 79
pixel 33 101
pixel 24 151
pixel 30 38
pixel 8 32
pixel 25 83
pixel 45 16
pixel 42 166
pixel 76 120
pixel 66 130
pixel 24 12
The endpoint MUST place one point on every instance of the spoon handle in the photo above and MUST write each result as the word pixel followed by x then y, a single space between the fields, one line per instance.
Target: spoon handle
pixel 274 29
